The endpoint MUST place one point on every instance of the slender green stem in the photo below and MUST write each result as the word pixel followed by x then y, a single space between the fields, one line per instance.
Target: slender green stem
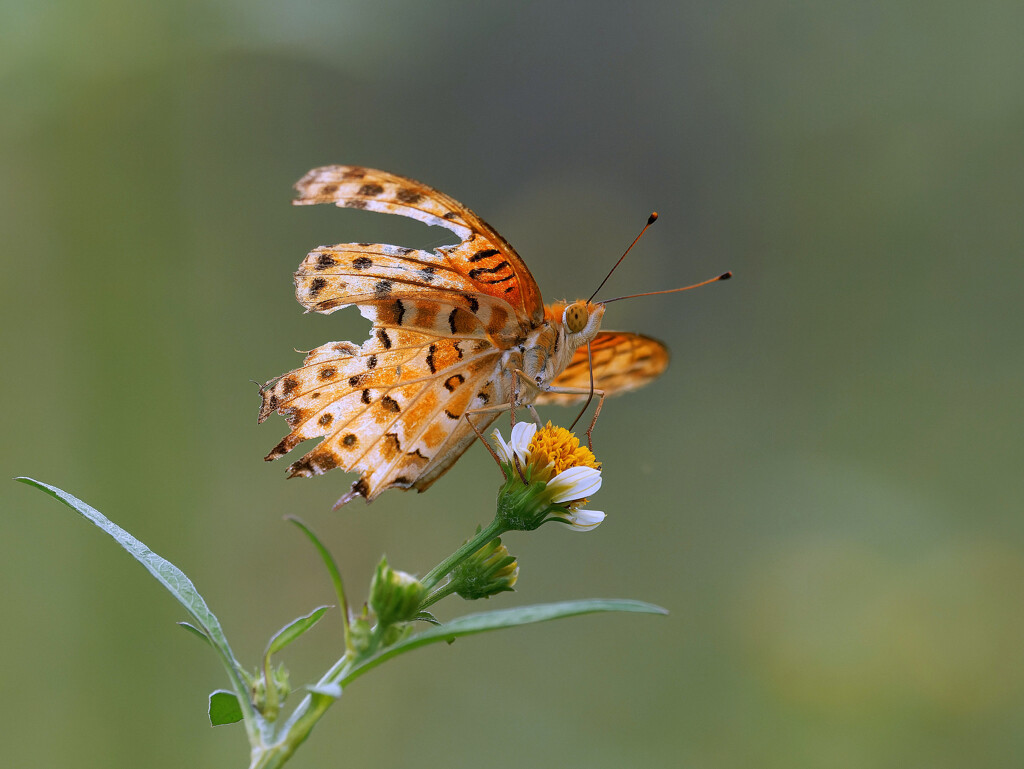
pixel 494 529
pixel 437 595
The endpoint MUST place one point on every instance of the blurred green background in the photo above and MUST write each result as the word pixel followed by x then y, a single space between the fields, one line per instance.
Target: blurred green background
pixel 824 489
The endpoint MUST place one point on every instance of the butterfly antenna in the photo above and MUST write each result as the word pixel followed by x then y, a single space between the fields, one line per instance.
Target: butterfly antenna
pixel 723 276
pixel 650 220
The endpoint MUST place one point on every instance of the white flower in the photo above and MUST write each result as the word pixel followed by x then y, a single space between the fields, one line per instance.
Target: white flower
pixel 585 520
pixel 574 483
pixel 518 442
pixel 570 472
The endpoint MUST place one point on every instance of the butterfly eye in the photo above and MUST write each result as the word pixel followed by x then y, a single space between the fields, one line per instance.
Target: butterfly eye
pixel 575 317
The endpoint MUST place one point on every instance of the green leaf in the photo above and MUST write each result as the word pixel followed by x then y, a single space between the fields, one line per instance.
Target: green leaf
pixel 165 572
pixel 293 630
pixel 194 631
pixel 332 569
pixel 224 708
pixel 471 624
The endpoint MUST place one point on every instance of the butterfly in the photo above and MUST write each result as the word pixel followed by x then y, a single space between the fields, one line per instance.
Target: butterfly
pixel 458 333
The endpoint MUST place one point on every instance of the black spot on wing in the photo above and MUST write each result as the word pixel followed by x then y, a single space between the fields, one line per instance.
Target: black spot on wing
pixel 506 279
pixel 483 254
pixel 408 196
pixel 476 272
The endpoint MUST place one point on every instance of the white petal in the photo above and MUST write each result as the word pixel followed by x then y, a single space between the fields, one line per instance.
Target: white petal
pixel 522 434
pixel 574 483
pixel 503 450
pixel 585 520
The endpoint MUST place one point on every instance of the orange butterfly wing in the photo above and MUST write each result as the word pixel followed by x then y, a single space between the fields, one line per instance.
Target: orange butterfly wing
pixel 622 361
pixel 483 256
pixel 391 409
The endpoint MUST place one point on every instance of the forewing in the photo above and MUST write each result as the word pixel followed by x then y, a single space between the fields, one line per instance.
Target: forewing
pixel 390 409
pixel 483 258
pixel 398 287
pixel 622 361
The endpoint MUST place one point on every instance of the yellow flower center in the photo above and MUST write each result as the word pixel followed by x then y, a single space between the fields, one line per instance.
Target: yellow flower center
pixel 559 448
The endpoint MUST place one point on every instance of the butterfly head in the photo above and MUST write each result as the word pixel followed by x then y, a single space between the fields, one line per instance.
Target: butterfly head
pixel 581 321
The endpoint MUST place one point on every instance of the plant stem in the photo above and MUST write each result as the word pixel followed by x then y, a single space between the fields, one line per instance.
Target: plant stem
pixel 311 709
pixel 437 595
pixel 494 529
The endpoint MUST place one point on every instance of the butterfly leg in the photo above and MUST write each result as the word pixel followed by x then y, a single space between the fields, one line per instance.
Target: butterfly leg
pixel 518 375
pixel 490 410
pixel 597 411
pixel 480 435
pixel 536 416
pixel 590 396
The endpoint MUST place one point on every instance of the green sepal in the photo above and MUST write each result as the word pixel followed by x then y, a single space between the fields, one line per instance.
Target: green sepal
pixel 523 506
pixel 224 708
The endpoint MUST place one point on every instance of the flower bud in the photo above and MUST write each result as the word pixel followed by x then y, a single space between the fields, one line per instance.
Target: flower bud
pixel 489 571
pixel 269 706
pixel 394 595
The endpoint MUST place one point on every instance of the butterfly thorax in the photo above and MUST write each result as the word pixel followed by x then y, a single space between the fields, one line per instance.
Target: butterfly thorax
pixel 550 347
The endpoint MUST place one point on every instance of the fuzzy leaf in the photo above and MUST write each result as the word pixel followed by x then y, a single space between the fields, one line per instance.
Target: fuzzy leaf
pixel 294 629
pixel 194 631
pixel 165 572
